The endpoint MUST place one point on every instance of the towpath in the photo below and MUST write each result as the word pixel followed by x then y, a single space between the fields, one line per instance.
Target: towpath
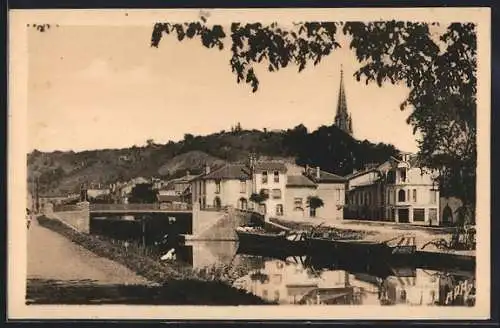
pixel 53 257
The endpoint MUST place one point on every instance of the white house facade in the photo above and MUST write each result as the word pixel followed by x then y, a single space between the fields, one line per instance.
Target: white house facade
pixel 398 190
pixel 288 188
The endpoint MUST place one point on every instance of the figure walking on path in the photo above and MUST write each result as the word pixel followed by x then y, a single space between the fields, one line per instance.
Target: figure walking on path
pixel 28 217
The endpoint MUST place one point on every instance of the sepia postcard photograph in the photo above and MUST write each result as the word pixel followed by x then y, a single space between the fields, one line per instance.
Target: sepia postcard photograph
pixel 249 164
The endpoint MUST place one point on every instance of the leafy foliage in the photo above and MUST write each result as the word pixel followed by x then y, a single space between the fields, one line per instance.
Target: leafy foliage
pixel 439 70
pixel 258 43
pixel 314 202
pixel 260 197
pixel 333 149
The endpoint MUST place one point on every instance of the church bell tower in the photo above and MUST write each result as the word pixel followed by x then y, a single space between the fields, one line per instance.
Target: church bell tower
pixel 343 119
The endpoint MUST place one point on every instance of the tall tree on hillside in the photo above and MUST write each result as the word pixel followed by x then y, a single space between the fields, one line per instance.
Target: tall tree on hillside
pixel 143 193
pixel 439 70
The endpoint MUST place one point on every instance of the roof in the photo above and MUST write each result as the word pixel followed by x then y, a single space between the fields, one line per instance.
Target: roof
pixel 229 172
pixel 168 198
pixel 363 185
pixel 325 177
pixel 299 181
pixel 270 166
pixel 184 179
pixel 360 172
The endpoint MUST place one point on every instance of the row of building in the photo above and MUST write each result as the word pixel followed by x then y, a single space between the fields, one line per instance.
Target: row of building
pixel 398 190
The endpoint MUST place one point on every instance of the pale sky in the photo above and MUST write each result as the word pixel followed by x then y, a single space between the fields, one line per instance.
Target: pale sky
pixel 93 87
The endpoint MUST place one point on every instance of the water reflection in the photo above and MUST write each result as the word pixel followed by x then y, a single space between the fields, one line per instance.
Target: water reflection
pixel 313 281
pixel 303 280
pixel 291 282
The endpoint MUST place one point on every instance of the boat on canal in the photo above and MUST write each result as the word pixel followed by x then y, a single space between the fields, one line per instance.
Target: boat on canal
pixel 285 241
pixel 326 244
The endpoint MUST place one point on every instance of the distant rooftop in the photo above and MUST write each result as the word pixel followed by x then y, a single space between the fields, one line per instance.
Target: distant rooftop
pixel 324 177
pixel 299 181
pixel 228 172
pixel 261 166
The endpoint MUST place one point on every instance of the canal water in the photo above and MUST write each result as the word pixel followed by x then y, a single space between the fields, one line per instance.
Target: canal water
pixel 306 280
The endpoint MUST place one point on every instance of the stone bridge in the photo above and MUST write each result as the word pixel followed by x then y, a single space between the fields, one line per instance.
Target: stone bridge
pixel 202 224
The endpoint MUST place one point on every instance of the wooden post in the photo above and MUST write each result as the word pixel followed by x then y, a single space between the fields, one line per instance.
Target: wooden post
pixel 143 224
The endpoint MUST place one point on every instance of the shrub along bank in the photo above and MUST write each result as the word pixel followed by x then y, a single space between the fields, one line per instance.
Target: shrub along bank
pixel 192 284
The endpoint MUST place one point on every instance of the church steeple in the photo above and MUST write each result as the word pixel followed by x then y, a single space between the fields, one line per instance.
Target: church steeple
pixel 342 118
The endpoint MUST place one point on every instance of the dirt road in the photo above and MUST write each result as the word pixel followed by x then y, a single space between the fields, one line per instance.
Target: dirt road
pixel 53 257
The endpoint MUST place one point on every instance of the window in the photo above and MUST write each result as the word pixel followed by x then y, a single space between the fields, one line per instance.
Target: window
pixel 264 177
pixel 401 195
pixel 367 199
pixel 217 202
pixel 265 191
pixel 276 193
pixel 217 187
pixel 243 203
pixel 297 202
pixel 419 214
pixel 433 196
pixel 391 177
pixel 403 175
pixel 279 210
pixel 276 176
pixel 414 195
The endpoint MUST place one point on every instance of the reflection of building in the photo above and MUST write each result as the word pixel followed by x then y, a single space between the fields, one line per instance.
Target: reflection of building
pixel 398 190
pixel 288 282
pixel 421 289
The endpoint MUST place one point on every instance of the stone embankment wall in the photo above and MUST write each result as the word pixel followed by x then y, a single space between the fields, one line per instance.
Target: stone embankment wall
pixel 76 216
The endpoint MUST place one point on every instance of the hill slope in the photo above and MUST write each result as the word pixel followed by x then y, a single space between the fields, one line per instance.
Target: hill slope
pixel 328 147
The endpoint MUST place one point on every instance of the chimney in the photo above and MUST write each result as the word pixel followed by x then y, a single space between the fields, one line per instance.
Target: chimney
pixel 188 173
pixel 318 172
pixel 207 169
